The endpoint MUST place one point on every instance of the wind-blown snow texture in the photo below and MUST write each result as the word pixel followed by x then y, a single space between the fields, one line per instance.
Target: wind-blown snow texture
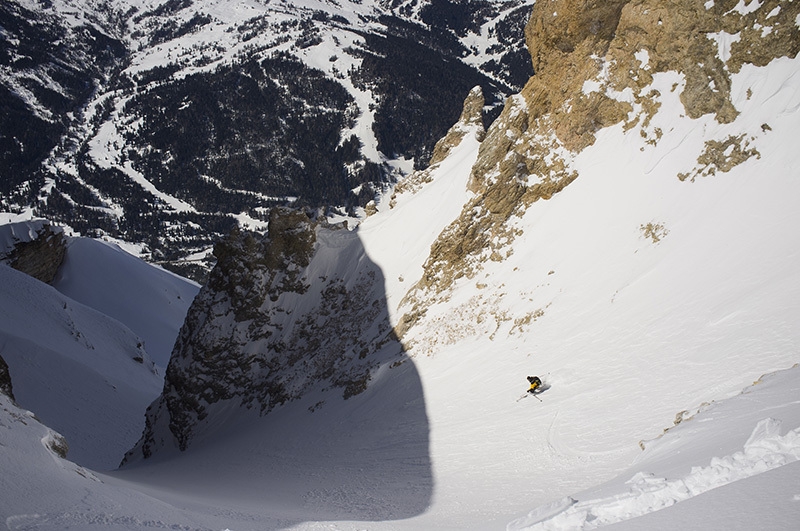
pixel 83 373
pixel 752 434
pixel 640 299
pixel 151 302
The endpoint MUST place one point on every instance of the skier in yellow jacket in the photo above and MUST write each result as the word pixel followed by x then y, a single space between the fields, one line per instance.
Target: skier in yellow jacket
pixel 536 384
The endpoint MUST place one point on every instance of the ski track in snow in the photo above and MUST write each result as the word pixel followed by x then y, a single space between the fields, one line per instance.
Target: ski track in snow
pixel 25 522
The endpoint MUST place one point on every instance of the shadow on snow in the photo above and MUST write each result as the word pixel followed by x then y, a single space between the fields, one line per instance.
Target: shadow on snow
pixel 317 457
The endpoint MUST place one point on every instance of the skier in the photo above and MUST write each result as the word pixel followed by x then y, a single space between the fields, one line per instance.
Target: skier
pixel 536 384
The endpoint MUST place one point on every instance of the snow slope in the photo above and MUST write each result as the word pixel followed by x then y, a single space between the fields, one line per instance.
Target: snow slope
pixel 746 446
pixel 82 373
pixel 40 490
pixel 635 295
pixel 152 302
pixel 80 354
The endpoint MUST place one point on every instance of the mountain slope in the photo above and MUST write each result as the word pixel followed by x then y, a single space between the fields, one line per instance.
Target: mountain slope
pixel 150 301
pixel 628 238
pixel 206 115
pixel 737 473
pixel 83 373
pixel 625 256
pixel 75 361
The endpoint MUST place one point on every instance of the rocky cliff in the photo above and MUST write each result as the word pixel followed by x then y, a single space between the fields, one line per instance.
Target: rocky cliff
pixel 297 309
pixel 34 248
pixel 304 307
pixel 595 63
pixel 5 379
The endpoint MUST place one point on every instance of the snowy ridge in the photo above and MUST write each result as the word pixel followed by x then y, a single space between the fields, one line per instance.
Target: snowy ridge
pixel 85 278
pixel 74 340
pixel 56 347
pixel 21 232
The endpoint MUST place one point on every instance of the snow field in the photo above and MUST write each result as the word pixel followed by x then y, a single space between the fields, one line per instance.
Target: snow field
pixel 76 343
pixel 634 330
pixel 728 444
pixel 108 279
pixel 80 371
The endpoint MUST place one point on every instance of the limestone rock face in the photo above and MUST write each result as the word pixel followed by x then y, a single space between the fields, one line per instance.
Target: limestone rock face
pixel 470 122
pixel 280 316
pixel 587 53
pixel 621 44
pixel 38 250
pixel 471 118
pixel 594 62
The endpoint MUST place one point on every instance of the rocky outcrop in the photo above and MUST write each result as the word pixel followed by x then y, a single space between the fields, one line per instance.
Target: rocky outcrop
pixel 34 248
pixel 595 62
pixel 471 119
pixel 470 122
pixel 619 45
pixel 297 309
pixel 5 379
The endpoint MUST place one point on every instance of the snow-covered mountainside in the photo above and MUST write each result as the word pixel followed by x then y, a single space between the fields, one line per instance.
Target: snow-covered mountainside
pixel 83 373
pixel 300 308
pixel 624 230
pixel 152 302
pixel 169 122
pixel 78 353
pixel 744 454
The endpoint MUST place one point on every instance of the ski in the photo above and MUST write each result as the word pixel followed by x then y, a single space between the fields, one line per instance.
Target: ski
pixel 529 394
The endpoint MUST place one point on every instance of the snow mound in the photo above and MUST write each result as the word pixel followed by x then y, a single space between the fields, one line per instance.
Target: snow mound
pixel 765 450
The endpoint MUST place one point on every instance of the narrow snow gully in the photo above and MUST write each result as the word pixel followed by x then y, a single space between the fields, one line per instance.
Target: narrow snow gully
pixel 319 456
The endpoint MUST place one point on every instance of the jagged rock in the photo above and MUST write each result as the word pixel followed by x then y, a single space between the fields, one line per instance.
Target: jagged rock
pixel 5 380
pixel 279 316
pixel 586 54
pixel 37 249
pixel 471 120
pixel 573 42
pixel 567 40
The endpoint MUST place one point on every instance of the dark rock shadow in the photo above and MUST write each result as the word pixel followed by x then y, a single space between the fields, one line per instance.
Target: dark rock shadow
pixel 288 395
